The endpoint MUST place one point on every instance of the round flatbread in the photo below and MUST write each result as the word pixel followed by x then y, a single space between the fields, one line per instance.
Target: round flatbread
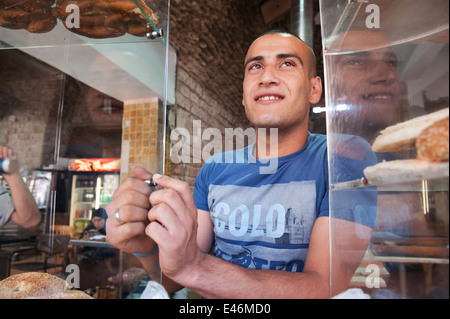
pixel 432 143
pixel 36 285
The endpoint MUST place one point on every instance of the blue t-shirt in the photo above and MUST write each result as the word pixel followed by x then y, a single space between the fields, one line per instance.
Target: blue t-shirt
pixel 264 220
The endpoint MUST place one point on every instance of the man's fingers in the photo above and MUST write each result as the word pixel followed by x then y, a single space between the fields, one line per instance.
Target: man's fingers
pixel 118 236
pixel 164 215
pixel 173 205
pixel 132 206
pixel 180 187
pixel 131 214
pixel 158 233
pixel 133 184
pixel 131 198
pixel 142 173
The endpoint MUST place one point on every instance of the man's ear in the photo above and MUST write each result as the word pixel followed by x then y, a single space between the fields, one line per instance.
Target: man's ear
pixel 316 90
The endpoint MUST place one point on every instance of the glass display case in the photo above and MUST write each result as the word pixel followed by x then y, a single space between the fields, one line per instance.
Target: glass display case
pixel 84 79
pixel 387 96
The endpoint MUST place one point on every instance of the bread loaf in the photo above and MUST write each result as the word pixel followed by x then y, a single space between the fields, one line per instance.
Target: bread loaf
pixel 397 171
pixel 432 143
pixel 403 136
pixel 36 285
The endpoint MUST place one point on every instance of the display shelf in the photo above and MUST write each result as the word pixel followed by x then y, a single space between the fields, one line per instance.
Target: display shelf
pixel 433 178
pixel 387 67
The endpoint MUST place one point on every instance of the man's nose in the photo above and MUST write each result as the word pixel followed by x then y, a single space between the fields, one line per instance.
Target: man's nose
pixel 269 76
pixel 382 73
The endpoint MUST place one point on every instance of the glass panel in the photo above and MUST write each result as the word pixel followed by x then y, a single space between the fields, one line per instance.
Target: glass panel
pixel 387 93
pixel 84 82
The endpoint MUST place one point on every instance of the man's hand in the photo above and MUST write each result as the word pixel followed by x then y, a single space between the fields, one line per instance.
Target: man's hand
pixel 131 201
pixel 173 225
pixel 5 152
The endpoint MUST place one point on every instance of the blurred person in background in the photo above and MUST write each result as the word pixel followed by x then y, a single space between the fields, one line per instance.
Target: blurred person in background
pixel 16 204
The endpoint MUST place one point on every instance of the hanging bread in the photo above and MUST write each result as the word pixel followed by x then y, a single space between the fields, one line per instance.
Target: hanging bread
pixel 33 16
pixel 107 18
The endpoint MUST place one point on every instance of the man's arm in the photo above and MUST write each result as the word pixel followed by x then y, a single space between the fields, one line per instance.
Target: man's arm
pixel 216 278
pixel 26 213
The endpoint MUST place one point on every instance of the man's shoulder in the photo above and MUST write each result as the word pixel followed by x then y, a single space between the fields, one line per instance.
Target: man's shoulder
pixel 238 156
pixel 316 138
pixel 317 145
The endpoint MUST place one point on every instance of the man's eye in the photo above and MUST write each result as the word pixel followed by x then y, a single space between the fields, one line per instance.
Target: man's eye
pixel 392 62
pixel 354 62
pixel 288 63
pixel 255 66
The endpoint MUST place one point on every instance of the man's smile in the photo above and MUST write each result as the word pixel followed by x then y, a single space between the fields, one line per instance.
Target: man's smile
pixel 269 98
pixel 378 96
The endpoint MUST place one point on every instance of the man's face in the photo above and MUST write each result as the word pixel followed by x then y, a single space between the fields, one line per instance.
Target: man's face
pixel 278 87
pixel 104 110
pixel 365 79
pixel 98 222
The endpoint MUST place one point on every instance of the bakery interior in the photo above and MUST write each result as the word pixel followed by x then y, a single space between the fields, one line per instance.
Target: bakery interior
pixel 82 106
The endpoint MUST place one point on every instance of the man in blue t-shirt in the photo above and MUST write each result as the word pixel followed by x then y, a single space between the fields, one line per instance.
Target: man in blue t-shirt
pixel 269 229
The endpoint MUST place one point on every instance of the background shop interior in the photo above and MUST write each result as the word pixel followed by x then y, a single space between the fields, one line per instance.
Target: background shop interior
pixel 50 117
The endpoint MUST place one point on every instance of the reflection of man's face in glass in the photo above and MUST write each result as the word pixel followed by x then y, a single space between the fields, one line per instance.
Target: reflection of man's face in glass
pixel 104 110
pixel 365 79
